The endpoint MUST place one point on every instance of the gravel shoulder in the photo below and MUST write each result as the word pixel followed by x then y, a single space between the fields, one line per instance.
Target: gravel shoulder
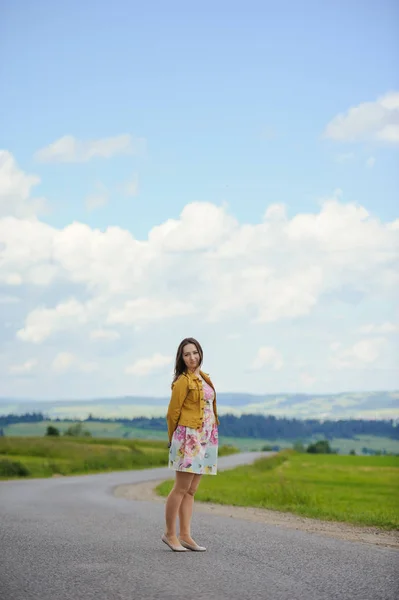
pixel 344 531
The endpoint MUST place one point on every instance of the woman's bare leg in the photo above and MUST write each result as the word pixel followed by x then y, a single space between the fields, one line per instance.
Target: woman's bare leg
pixel 182 485
pixel 186 511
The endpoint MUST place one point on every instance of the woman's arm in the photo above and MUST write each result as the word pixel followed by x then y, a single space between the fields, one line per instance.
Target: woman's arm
pixel 179 394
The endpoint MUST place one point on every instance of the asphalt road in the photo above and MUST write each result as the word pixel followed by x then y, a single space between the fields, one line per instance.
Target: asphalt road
pixel 71 539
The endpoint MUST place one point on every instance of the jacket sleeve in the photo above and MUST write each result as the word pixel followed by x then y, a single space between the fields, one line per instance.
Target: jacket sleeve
pixel 179 394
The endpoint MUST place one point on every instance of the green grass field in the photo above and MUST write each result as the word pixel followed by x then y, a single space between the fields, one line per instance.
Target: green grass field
pixel 48 456
pixel 96 428
pixel 344 446
pixel 358 489
pixel 102 430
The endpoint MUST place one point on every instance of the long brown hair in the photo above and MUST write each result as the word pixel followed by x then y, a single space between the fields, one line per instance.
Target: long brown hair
pixel 180 366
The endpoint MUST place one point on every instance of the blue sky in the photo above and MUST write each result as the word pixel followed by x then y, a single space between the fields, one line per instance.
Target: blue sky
pixel 226 105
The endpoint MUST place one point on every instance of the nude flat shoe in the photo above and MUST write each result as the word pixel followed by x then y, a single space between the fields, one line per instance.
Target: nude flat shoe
pixel 171 546
pixel 194 548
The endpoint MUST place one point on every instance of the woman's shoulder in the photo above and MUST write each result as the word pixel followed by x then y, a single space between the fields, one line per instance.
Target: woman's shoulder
pixel 181 380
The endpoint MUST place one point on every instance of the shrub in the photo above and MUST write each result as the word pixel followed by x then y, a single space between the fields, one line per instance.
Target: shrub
pixel 77 430
pixel 320 447
pixel 13 468
pixel 227 449
pixel 51 430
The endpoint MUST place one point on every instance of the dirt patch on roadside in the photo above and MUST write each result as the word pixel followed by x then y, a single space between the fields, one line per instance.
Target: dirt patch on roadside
pixel 343 531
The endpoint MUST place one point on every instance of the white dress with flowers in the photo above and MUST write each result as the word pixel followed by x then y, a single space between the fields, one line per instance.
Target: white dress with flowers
pixel 196 450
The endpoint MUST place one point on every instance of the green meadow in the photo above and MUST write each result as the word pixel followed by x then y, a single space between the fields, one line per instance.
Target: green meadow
pixel 357 489
pixel 51 456
pixel 118 430
pixel 343 445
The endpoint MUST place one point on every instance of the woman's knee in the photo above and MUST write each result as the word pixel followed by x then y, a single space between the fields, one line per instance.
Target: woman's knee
pixel 182 490
pixel 183 484
pixel 194 486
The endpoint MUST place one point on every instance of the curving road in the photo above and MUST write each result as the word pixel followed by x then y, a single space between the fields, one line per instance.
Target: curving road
pixel 71 539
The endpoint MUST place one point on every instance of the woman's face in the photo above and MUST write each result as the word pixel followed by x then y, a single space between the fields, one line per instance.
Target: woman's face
pixel 191 356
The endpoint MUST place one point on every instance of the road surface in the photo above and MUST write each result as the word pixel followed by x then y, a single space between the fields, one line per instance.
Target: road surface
pixel 70 538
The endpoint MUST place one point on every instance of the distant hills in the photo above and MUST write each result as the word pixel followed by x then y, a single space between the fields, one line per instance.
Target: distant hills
pixel 350 405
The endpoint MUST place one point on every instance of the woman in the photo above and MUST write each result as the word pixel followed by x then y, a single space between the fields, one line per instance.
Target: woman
pixel 193 441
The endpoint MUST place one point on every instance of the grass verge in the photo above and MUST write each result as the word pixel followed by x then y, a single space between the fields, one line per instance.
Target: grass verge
pixel 355 489
pixel 48 456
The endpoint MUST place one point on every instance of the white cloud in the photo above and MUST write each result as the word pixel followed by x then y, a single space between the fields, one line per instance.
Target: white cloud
pixel 361 355
pixel 202 226
pixel 307 380
pixel 202 269
pixel 104 334
pixel 204 264
pixel 88 367
pixel 42 322
pixel 131 188
pixel 63 362
pixel 370 162
pixel 67 361
pixel 7 299
pixel 12 279
pixel 144 366
pixel 335 346
pixel 267 355
pixel 383 328
pixel 97 199
pixel 24 368
pixel 376 121
pixel 142 310
pixel 15 190
pixel 68 149
pixel 345 157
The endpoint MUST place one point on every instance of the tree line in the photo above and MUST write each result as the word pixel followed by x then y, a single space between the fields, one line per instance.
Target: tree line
pixel 251 426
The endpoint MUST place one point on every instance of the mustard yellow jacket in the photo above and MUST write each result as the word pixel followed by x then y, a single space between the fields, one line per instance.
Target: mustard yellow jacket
pixel 187 403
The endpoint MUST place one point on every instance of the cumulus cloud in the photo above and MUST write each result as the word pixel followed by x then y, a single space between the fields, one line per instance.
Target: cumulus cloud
pixel 67 361
pixel 63 361
pixel 307 380
pixel 268 356
pixel 375 121
pixel 25 368
pixel 142 310
pixel 144 366
pixel 361 355
pixel 42 322
pixel 104 334
pixel 16 188
pixel 383 328
pixel 203 265
pixel 68 149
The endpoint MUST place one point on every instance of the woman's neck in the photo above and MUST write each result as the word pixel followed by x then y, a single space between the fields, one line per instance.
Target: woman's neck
pixel 195 371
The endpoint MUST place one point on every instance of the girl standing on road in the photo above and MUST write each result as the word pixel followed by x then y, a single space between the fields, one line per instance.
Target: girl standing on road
pixel 193 441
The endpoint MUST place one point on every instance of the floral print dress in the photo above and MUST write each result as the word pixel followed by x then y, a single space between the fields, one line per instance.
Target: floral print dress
pixel 196 450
